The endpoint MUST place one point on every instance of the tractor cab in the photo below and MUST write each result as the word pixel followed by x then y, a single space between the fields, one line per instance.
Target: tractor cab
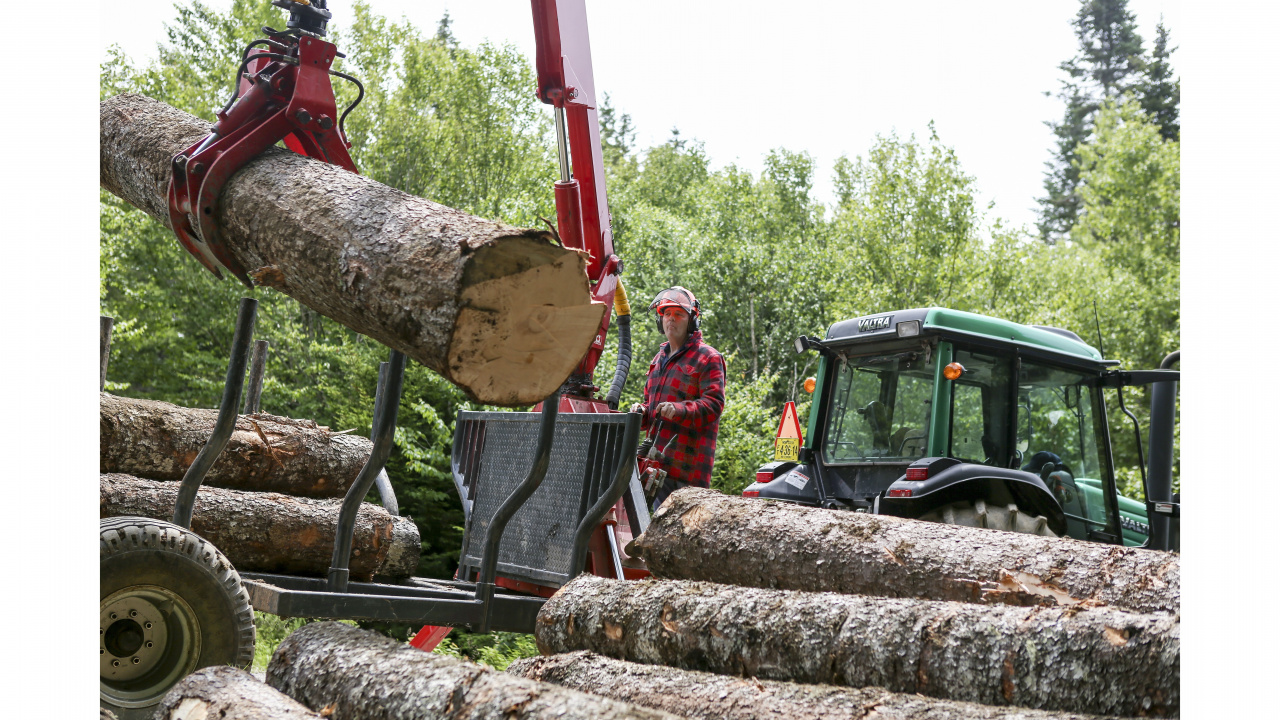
pixel 956 417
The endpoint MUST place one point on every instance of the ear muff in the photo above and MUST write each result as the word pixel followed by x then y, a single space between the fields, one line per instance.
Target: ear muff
pixel 695 317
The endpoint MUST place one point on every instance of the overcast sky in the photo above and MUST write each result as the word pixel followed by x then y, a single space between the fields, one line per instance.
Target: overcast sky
pixel 821 77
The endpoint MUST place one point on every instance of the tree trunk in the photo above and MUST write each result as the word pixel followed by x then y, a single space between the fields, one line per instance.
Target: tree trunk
pixel 266 453
pixel 1097 660
pixel 499 311
pixel 360 674
pixel 706 696
pixel 700 534
pixel 270 532
pixel 229 693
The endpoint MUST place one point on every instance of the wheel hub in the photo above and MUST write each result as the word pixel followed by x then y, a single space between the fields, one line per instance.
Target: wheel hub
pixel 148 639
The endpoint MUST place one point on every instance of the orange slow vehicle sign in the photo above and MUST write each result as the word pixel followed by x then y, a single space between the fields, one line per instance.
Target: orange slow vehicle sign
pixel 786 446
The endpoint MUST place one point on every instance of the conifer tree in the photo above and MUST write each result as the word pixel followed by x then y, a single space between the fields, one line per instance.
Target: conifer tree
pixel 1108 64
pixel 1160 92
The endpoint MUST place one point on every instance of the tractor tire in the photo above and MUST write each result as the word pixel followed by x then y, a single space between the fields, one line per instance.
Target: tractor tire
pixel 170 603
pixel 977 513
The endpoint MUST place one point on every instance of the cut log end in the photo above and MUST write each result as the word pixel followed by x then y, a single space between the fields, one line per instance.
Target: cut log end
pixel 507 349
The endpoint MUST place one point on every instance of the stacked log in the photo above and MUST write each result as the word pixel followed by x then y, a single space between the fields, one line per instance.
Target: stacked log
pixel 272 532
pixel 229 693
pixel 265 453
pixel 1076 659
pixel 346 673
pixel 700 534
pixel 706 696
pixel 502 312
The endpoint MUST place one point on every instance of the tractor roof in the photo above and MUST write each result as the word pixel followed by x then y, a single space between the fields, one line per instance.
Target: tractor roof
pixel 956 322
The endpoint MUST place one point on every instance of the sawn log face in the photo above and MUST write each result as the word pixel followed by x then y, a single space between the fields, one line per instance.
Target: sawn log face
pixel 1097 660
pixel 270 532
pixel 229 693
pixel 360 674
pixel 497 310
pixel 705 696
pixel 700 534
pixel 265 453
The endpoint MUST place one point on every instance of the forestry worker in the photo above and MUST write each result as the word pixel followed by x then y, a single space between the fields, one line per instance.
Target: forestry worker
pixel 683 396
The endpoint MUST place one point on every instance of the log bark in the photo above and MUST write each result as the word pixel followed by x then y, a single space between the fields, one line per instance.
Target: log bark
pixel 265 453
pixel 1093 660
pixel 700 534
pixel 706 696
pixel 499 311
pixel 359 674
pixel 270 532
pixel 229 693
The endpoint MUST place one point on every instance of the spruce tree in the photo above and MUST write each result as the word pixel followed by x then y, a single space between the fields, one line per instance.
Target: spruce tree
pixel 1109 63
pixel 1160 92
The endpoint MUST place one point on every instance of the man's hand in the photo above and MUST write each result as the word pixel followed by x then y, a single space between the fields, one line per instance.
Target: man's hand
pixel 669 410
pixel 637 408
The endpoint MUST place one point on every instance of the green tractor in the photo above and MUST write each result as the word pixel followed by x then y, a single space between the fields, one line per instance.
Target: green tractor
pixel 955 417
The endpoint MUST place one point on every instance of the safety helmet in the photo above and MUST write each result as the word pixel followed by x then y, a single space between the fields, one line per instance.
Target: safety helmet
pixel 680 297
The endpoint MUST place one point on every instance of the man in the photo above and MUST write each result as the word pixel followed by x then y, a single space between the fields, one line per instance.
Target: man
pixel 684 395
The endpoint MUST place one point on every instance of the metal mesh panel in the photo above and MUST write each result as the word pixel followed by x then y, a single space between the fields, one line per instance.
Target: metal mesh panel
pixel 537 545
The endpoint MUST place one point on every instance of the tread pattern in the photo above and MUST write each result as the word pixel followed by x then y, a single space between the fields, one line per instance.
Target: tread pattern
pixel 981 514
pixel 124 534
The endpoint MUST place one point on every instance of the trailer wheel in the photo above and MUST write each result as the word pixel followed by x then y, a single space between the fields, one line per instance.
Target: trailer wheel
pixel 170 603
pixel 977 513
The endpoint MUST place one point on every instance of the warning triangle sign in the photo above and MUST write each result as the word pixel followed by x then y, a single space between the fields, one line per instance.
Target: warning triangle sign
pixel 787 444
pixel 790 425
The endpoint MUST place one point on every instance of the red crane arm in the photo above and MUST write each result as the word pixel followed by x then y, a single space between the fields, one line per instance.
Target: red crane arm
pixel 566 81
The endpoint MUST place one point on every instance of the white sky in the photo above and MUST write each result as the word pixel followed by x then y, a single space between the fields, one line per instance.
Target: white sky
pixel 821 77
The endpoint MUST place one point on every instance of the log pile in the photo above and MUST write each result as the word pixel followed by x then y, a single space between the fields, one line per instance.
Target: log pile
pixel 271 532
pixel 266 453
pixel 502 312
pixel 346 673
pixel 707 696
pixel 229 693
pixel 804 612
pixel 700 534
pixel 271 500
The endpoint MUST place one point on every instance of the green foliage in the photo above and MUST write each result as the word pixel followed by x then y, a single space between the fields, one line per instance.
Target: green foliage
pixel 496 649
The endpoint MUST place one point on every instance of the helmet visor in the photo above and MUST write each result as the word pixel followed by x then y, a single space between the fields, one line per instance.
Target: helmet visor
pixel 672 297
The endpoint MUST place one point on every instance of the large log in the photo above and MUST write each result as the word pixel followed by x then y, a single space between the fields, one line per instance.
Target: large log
pixel 229 693
pixel 355 673
pixel 1096 660
pixel 500 311
pixel 270 532
pixel 706 696
pixel 265 453
pixel 700 534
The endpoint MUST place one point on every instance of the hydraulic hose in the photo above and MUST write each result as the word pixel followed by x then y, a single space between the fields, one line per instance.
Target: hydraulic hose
pixel 623 310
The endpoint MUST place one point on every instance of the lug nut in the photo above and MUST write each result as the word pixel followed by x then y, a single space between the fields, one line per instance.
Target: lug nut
pixel 115 663
pixel 150 644
pixel 112 616
pixel 102 651
pixel 146 625
pixel 136 659
pixel 133 613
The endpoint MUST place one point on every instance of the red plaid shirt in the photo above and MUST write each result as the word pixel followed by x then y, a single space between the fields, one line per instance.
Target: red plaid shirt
pixel 694 379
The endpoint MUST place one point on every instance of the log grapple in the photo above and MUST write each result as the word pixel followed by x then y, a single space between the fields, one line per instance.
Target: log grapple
pixel 282 91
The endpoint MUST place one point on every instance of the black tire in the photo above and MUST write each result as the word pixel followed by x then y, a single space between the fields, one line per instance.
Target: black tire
pixel 978 513
pixel 170 603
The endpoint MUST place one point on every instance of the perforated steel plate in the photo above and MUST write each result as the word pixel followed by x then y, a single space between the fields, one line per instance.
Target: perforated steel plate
pixel 537 545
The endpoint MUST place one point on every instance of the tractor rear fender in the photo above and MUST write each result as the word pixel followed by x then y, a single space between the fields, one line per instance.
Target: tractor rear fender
pixel 946 480
pixel 785 481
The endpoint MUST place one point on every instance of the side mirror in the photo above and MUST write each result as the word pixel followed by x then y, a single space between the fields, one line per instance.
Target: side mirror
pixel 802 344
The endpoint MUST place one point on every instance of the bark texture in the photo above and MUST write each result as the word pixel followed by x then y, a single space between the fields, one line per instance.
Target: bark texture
pixel 700 534
pixel 705 696
pixel 1094 660
pixel 270 532
pixel 229 693
pixel 499 311
pixel 355 673
pixel 265 453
